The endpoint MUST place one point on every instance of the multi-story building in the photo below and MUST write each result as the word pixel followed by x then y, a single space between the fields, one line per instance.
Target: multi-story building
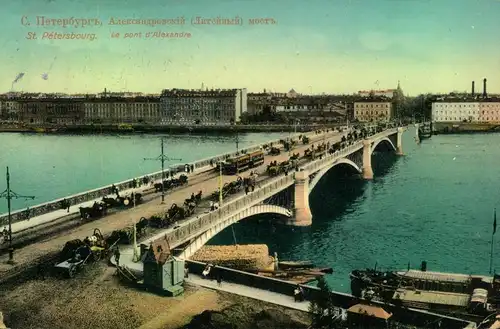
pixel 455 111
pixel 181 106
pixel 489 112
pixel 9 109
pixel 373 110
pixel 63 111
pixel 111 110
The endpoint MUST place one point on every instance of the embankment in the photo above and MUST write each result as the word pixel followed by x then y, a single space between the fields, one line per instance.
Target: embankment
pixel 464 127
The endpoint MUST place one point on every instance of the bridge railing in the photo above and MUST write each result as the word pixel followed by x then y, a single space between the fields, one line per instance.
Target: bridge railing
pixel 79 198
pixel 327 160
pixel 316 165
pixel 195 226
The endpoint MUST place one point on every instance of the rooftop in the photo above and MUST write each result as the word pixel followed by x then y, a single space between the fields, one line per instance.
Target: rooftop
pixel 432 297
pixel 370 310
pixel 436 276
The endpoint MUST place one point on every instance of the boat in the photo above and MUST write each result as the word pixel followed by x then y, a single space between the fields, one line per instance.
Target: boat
pixel 297 264
pixel 424 130
pixel 471 296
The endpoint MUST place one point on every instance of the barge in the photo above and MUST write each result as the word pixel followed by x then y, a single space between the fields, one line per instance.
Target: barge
pixel 471 296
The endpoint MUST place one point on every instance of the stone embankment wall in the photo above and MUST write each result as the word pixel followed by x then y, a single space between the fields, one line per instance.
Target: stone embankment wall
pixel 100 192
pixel 241 257
pixel 342 300
pixel 464 127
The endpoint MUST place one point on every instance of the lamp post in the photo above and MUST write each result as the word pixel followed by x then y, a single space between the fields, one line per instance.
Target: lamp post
pixel 162 157
pixel 9 194
pixel 136 255
pixel 220 183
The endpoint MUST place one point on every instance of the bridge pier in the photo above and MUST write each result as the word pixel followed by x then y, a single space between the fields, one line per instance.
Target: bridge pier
pixel 399 146
pixel 367 159
pixel 302 212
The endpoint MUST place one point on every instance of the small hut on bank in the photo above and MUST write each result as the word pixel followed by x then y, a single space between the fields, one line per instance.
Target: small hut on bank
pixel 163 272
pixel 368 316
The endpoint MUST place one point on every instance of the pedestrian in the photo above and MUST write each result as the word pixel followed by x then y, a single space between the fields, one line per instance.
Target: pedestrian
pixel 192 168
pixel 117 256
pixel 246 189
pixel 186 272
pixel 219 279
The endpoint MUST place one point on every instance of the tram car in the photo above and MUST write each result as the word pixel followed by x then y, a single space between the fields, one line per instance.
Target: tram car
pixel 237 164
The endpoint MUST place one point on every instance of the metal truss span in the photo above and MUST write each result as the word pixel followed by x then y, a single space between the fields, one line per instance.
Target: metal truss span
pixel 202 239
pixel 321 173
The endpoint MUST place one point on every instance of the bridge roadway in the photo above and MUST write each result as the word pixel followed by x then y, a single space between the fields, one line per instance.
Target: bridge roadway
pixel 207 181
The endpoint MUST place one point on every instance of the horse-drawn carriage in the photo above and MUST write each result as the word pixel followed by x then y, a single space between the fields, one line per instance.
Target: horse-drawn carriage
pixel 228 189
pixel 181 212
pixel 77 253
pixel 98 210
pixel 126 235
pixel 123 201
pixel 171 183
pixel 275 169
pixel 274 151
pixel 313 153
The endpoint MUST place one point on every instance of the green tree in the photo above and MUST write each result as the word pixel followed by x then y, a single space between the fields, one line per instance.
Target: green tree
pixel 322 308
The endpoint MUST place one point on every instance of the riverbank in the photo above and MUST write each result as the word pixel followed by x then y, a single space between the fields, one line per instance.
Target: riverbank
pixel 155 129
pixel 464 127
pixel 96 299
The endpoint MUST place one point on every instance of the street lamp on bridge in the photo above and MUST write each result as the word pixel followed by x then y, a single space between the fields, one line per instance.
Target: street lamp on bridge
pixel 9 195
pixel 162 157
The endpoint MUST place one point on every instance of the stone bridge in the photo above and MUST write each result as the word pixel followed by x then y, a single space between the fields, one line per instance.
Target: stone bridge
pixel 195 232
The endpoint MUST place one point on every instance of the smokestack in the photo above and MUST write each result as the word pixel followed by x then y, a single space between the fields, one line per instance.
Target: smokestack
pixel 473 93
pixel 484 87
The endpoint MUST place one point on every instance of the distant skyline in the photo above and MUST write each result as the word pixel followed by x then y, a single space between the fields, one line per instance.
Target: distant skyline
pixel 319 46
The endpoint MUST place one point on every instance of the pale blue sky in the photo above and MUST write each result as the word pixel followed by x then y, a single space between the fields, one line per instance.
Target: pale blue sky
pixel 332 46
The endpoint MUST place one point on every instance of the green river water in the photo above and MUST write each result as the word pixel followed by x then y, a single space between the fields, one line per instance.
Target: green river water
pixel 435 203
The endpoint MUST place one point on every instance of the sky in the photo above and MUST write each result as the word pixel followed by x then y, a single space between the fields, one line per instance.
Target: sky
pixel 315 46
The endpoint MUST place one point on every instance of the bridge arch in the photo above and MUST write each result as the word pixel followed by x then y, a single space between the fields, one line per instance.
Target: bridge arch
pixel 322 172
pixel 202 239
pixel 385 141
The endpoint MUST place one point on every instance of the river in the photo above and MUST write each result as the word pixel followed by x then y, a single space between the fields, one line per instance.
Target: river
pixel 434 204
pixel 54 166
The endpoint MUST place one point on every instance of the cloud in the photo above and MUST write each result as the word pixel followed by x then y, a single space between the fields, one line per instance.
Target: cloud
pixel 373 40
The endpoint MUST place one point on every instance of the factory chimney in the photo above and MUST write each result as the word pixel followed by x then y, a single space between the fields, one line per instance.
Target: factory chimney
pixel 473 93
pixel 484 87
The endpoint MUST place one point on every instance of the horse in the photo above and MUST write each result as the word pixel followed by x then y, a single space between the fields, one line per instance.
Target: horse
pixel 97 210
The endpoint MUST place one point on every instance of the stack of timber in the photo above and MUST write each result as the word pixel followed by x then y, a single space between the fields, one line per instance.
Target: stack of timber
pixel 299 275
pixel 240 257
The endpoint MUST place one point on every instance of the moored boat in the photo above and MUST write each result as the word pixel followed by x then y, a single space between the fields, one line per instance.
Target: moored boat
pixel 446 293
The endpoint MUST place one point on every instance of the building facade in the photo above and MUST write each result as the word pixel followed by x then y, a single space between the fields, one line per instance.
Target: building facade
pixel 61 111
pixel 206 107
pixel 456 111
pixel 489 112
pixel 373 111
pixel 9 110
pixel 116 110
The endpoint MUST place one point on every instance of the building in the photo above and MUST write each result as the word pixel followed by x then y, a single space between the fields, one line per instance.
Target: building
pixel 9 109
pixel 449 111
pixel 389 93
pixel 62 111
pixel 485 111
pixel 373 110
pixel 489 112
pixel 116 110
pixel 206 107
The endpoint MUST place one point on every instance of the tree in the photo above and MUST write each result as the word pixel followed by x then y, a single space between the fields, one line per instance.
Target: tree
pixel 322 307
